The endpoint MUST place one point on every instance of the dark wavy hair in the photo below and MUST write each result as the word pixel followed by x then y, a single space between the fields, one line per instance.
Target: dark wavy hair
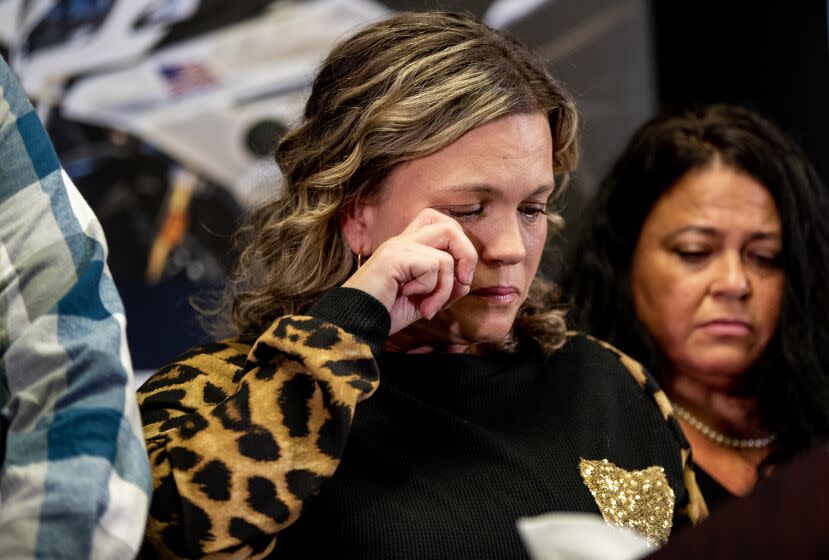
pixel 791 379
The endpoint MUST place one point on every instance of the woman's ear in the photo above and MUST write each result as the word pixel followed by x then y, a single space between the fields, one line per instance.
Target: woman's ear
pixel 356 224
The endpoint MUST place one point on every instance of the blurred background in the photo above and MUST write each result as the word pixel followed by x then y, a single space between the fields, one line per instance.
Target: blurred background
pixel 164 112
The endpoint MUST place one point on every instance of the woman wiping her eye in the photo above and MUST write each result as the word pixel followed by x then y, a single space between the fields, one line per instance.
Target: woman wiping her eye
pixel 402 384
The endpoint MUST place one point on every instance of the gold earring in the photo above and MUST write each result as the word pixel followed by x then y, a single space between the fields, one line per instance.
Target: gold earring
pixel 359 259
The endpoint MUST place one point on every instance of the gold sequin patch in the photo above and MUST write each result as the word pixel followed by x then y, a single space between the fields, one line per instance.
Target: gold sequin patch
pixel 641 500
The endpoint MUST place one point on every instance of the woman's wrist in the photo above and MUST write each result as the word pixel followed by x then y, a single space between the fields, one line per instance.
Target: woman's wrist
pixel 356 312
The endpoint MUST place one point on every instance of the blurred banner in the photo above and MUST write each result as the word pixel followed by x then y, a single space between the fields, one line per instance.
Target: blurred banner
pixel 165 113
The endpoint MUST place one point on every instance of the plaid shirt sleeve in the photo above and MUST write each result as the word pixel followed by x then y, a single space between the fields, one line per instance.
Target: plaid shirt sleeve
pixel 74 480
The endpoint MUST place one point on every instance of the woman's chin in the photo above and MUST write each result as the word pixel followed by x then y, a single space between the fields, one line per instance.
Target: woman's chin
pixel 487 332
pixel 490 325
pixel 721 374
pixel 459 328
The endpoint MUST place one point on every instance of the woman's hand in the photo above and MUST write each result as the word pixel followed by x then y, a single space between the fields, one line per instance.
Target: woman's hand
pixel 424 269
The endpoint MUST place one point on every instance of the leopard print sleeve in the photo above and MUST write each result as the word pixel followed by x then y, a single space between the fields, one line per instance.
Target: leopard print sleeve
pixel 241 437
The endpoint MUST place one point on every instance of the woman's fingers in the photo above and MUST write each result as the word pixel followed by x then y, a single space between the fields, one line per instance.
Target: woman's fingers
pixel 458 291
pixel 442 291
pixel 424 269
pixel 421 270
pixel 437 230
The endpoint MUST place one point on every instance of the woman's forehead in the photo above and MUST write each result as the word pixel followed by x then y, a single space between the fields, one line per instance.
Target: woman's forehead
pixel 718 197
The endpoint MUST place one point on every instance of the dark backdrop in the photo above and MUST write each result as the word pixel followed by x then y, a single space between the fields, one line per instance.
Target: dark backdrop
pixel 772 57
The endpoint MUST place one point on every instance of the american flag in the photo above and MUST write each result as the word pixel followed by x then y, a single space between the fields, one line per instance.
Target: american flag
pixel 187 77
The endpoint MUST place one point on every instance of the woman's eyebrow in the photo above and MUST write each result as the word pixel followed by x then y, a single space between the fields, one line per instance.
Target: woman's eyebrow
pixel 489 189
pixel 708 231
pixel 764 235
pixel 702 230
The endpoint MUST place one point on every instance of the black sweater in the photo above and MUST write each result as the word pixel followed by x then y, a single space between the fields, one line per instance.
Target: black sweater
pixel 452 449
pixel 313 443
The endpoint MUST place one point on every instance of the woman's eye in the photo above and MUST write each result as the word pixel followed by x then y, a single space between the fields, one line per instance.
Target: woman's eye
pixel 766 260
pixel 463 213
pixel 532 211
pixel 692 255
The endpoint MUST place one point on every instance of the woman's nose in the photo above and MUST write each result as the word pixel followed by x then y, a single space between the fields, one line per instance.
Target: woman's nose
pixel 731 278
pixel 503 243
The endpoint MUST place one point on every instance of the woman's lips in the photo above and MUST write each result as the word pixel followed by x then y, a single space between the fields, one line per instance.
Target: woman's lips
pixel 727 327
pixel 501 295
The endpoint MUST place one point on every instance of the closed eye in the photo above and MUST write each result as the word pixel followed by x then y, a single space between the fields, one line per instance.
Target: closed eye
pixel 694 256
pixel 766 260
pixel 464 213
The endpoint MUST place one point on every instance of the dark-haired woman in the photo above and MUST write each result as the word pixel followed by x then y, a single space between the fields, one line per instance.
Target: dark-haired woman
pixel 706 258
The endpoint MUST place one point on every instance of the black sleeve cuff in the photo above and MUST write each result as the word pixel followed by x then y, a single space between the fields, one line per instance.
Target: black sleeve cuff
pixel 355 312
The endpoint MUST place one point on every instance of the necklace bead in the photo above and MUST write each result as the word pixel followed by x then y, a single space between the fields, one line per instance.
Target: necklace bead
pixel 717 437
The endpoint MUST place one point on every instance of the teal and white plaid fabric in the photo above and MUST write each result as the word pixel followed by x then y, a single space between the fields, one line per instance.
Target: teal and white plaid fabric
pixel 74 480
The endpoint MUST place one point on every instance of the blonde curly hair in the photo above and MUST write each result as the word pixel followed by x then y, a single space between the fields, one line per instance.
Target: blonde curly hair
pixel 400 89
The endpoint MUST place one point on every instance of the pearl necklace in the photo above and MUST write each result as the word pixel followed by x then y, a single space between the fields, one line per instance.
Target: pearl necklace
pixel 717 437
